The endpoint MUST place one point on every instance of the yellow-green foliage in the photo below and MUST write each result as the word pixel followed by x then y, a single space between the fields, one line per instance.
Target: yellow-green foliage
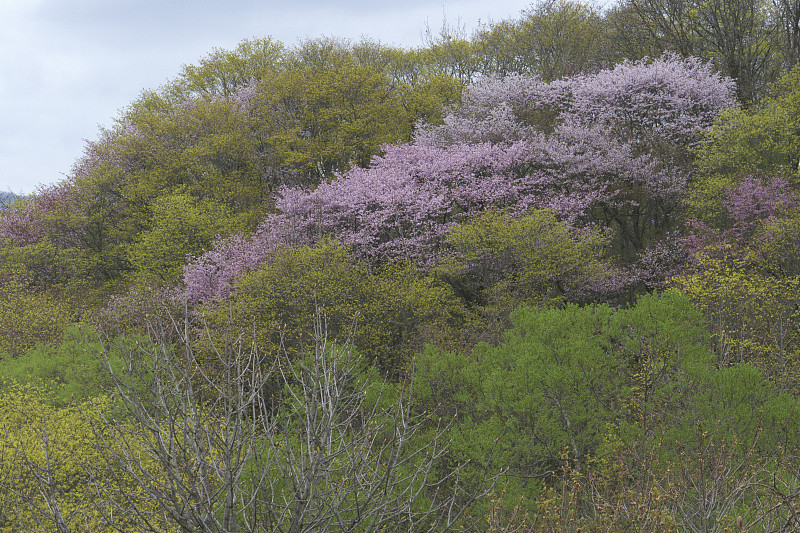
pixel 552 40
pixel 28 317
pixel 222 71
pixel 759 140
pixel 320 116
pixel 51 464
pixel 205 149
pixel 395 308
pixel 779 242
pixel 42 264
pixel 753 317
pixel 529 258
pixel 180 227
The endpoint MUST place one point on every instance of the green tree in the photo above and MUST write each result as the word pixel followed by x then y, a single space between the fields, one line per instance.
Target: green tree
pixel 393 309
pixel 552 39
pixel 452 52
pixel 739 36
pixel 222 72
pixel 318 118
pixel 764 139
pixel 753 316
pixel 551 386
pixel 500 262
pixel 620 401
pixel 51 466
pixel 185 450
pixel 206 148
pixel 203 150
pixel 180 227
pixel 530 258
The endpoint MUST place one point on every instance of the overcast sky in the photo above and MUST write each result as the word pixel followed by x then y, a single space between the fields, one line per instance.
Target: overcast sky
pixel 67 67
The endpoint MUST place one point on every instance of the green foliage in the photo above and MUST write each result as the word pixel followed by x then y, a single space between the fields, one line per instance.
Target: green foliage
pixel 753 317
pixel 177 448
pixel 179 227
pixel 777 240
pixel 664 344
pixel 222 72
pixel 551 386
pixel 56 444
pixel 554 39
pixel 763 139
pixel 29 317
pixel 202 154
pixel 42 265
pixel 319 118
pixel 452 52
pixel 501 262
pixel 394 309
pixel 69 370
pixel 204 148
pixel 529 258
pixel 424 91
pixel 588 384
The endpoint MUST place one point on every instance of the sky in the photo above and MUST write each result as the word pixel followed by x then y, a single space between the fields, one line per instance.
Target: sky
pixel 69 67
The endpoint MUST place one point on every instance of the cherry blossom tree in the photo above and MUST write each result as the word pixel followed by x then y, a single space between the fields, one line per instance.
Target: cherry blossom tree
pixel 609 149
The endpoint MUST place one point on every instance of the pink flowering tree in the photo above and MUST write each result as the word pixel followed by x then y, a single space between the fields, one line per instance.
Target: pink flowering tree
pixel 400 208
pixel 213 274
pixel 754 209
pixel 46 213
pixel 610 149
pixel 755 200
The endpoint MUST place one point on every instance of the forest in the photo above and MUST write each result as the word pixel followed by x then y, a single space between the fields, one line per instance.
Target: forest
pixel 538 276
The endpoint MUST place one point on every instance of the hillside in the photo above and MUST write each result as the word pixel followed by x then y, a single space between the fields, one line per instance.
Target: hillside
pixel 348 287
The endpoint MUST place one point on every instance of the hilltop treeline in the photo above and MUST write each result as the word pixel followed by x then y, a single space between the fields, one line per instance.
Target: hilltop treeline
pixel 539 276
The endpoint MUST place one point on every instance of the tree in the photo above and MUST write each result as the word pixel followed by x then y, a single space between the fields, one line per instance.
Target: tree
pixel 223 72
pixel 67 370
pixel 320 118
pixel 553 39
pixel 452 52
pixel 737 35
pixel 500 262
pixel 789 21
pixel 612 148
pixel 557 383
pixel 390 311
pixel 185 450
pixel 200 148
pixel 28 317
pixel 46 458
pixel 744 273
pixel 586 410
pixel 179 228
pixel 763 140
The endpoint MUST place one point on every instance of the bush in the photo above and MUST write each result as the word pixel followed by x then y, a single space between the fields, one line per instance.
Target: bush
pixel 394 308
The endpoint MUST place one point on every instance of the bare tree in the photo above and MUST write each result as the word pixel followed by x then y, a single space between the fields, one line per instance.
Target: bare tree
pixel 740 36
pixel 788 15
pixel 195 443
